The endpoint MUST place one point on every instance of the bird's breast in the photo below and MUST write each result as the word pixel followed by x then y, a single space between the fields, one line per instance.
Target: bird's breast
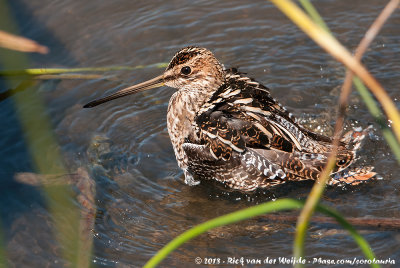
pixel 180 118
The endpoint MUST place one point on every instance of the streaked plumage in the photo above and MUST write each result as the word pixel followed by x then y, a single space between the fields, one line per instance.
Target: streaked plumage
pixel 226 127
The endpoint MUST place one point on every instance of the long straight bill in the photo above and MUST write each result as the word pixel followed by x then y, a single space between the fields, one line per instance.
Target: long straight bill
pixel 152 83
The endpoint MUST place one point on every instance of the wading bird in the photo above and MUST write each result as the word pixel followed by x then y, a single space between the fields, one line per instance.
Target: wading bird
pixel 226 127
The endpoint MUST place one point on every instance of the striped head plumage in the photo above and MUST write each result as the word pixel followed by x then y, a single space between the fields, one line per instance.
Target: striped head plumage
pixel 227 127
pixel 194 69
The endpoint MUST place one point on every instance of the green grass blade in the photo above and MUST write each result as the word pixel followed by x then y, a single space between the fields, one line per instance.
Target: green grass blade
pixel 377 114
pixel 42 71
pixel 362 243
pixel 279 205
pixel 310 9
pixel 309 209
pixel 247 213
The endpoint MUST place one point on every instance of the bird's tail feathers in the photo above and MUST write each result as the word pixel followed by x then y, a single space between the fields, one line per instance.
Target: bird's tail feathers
pixel 353 176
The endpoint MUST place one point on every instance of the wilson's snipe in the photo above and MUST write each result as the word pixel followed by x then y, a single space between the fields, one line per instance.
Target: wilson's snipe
pixel 227 127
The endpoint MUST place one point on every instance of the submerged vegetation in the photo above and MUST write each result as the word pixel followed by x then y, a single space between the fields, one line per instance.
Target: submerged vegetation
pixel 73 225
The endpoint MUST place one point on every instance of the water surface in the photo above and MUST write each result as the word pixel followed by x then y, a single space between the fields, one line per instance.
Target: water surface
pixel 141 200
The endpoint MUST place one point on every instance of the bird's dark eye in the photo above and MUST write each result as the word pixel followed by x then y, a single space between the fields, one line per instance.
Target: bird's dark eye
pixel 186 70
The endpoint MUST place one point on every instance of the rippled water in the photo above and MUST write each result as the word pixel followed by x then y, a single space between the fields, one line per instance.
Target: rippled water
pixel 141 200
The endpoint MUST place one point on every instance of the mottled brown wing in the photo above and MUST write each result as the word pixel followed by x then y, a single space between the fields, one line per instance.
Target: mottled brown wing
pixel 242 123
pixel 241 115
pixel 226 131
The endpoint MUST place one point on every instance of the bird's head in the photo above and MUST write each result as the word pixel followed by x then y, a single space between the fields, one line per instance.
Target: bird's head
pixel 192 69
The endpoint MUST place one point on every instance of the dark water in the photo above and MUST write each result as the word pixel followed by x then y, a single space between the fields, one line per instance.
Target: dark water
pixel 141 200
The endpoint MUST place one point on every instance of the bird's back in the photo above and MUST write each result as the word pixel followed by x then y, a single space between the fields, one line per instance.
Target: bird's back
pixel 247 140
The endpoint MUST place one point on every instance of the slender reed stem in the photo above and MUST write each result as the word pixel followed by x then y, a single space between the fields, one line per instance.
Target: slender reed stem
pixel 319 187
